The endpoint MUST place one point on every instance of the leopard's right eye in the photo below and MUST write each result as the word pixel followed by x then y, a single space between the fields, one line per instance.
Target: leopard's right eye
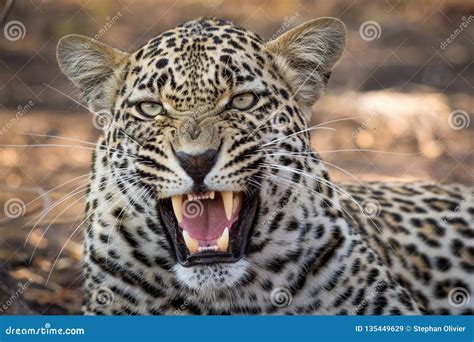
pixel 150 109
pixel 244 101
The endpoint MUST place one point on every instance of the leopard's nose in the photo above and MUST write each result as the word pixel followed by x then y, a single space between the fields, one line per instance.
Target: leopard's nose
pixel 197 166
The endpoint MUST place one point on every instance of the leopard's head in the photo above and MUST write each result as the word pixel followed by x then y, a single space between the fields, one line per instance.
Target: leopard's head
pixel 209 116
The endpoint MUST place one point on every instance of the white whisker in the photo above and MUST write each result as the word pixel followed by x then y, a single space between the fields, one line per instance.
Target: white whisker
pixel 73 233
pixel 337 189
pixel 89 110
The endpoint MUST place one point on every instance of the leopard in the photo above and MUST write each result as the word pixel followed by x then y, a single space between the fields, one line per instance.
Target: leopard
pixel 206 196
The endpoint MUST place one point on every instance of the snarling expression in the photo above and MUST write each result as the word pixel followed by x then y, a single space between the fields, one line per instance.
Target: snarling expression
pixel 198 117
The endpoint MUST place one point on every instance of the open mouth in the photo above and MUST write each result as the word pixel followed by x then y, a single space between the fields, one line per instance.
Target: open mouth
pixel 210 227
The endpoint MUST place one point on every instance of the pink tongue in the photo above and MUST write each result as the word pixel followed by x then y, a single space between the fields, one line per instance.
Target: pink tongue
pixel 205 219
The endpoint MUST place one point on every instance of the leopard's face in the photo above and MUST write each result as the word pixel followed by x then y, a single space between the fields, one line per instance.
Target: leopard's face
pixel 200 119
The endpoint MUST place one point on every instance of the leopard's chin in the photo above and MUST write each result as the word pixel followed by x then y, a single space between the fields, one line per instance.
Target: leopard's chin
pixel 203 279
pixel 209 228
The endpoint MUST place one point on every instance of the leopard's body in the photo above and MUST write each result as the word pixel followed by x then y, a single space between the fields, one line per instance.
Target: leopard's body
pixel 311 249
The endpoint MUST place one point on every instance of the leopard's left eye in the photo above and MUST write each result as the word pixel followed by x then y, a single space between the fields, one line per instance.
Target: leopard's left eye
pixel 150 109
pixel 244 101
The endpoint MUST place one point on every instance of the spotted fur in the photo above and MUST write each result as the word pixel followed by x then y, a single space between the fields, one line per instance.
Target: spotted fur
pixel 312 249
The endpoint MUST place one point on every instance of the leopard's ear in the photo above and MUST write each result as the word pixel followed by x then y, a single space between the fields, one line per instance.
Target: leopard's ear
pixel 91 66
pixel 307 54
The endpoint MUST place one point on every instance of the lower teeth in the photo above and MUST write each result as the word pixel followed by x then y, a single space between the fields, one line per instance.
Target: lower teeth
pixel 206 249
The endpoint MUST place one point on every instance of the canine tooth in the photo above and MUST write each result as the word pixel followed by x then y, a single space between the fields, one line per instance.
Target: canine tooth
pixel 223 241
pixel 228 203
pixel 212 195
pixel 177 202
pixel 236 203
pixel 191 243
pixel 190 197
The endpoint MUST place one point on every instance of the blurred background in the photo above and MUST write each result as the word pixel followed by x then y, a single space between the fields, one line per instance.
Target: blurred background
pixel 400 101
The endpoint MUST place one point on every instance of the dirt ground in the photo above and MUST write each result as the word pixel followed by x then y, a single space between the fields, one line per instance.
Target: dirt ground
pixel 398 108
